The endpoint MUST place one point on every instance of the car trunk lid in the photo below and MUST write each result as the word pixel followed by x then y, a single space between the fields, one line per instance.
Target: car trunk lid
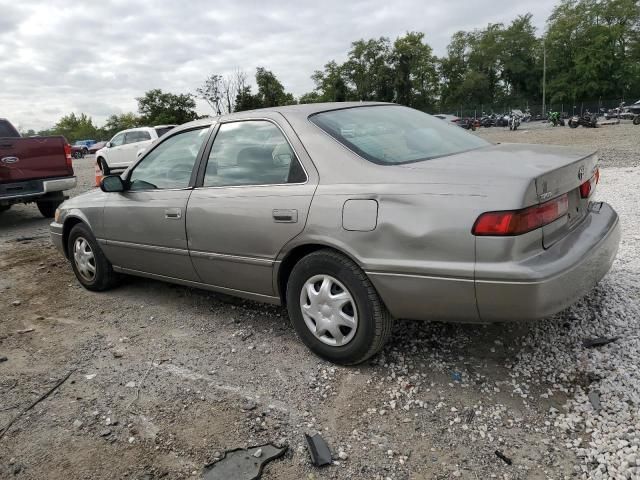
pixel 550 171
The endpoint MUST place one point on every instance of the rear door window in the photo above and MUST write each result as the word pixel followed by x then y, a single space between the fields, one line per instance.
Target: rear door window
pixel 252 152
pixel 137 136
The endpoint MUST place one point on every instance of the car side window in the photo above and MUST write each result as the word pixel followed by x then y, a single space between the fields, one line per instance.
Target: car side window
pixel 170 164
pixel 253 152
pixel 117 140
pixel 137 136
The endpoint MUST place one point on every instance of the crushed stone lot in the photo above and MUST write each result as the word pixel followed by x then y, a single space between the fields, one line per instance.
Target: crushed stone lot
pixel 166 378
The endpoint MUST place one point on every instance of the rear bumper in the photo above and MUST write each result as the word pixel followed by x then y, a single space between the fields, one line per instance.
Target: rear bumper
pixel 30 190
pixel 551 281
pixel 59 184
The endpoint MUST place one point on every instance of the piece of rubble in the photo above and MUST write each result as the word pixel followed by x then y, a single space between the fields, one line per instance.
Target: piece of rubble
pixel 242 464
pixel 598 342
pixel 594 398
pixel 318 449
pixel 503 457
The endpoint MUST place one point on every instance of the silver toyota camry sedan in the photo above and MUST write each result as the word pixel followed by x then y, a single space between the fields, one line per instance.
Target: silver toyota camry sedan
pixel 350 214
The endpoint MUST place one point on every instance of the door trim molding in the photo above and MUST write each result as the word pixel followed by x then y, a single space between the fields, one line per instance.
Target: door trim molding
pixel 263 262
pixel 142 246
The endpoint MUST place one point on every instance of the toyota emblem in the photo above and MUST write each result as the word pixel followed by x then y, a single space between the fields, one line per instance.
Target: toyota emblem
pixel 581 173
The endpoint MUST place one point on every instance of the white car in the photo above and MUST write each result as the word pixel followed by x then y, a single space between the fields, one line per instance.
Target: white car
pixel 126 147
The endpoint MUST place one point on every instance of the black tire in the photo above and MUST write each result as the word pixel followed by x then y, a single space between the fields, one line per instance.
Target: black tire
pixel 48 207
pixel 105 278
pixel 562 122
pixel 374 321
pixel 636 120
pixel 102 164
pixel 85 151
pixel 573 124
pixel 4 208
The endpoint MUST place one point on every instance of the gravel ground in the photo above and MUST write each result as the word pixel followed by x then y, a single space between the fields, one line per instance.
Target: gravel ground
pixel 165 378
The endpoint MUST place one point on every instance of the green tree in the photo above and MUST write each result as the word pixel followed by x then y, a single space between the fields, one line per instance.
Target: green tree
pixel 271 92
pixel 367 70
pixel 415 72
pixel 116 123
pixel 157 107
pixel 331 85
pixel 74 127
pixel 246 100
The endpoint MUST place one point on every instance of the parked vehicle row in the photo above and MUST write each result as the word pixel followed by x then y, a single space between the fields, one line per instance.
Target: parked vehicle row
pixel 36 169
pixel 350 214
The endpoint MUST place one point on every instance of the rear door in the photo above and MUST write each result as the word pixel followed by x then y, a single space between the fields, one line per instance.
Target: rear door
pixel 253 197
pixel 144 227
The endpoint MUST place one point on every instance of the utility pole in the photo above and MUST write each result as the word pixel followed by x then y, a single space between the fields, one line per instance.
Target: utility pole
pixel 544 77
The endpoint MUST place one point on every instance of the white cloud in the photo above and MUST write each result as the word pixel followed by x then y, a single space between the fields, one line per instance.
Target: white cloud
pixel 97 56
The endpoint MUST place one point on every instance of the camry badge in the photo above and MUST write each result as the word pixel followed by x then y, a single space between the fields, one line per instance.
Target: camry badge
pixel 581 173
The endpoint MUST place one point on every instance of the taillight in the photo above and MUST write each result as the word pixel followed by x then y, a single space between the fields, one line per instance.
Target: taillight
pixel 587 187
pixel 67 155
pixel 517 222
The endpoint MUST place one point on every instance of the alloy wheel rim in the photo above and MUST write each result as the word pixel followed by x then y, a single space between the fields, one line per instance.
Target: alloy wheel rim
pixel 84 259
pixel 329 310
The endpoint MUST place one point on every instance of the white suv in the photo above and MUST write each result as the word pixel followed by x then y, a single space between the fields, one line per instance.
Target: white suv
pixel 126 146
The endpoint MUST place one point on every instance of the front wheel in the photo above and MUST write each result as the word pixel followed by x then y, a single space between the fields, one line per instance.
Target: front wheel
pixel 636 120
pixel 89 263
pixel 335 309
pixel 102 164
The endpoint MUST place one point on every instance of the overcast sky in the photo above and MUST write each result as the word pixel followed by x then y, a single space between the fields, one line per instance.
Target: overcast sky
pixel 59 56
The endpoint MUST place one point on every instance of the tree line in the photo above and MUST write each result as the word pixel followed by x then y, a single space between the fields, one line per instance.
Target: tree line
pixel 591 49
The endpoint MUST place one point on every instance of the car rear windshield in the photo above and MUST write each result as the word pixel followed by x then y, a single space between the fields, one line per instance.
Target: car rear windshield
pixel 392 134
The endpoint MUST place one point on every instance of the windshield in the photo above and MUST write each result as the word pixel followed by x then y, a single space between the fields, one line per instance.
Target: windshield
pixel 392 134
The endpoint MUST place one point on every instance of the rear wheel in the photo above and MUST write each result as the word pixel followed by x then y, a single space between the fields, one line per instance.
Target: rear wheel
pixel 335 310
pixel 48 207
pixel 89 263
pixel 636 120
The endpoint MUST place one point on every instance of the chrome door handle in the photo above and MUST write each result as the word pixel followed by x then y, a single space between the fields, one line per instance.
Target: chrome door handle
pixel 285 216
pixel 173 213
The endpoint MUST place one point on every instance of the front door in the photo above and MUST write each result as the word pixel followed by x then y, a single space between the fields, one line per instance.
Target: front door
pixel 115 151
pixel 254 198
pixel 145 225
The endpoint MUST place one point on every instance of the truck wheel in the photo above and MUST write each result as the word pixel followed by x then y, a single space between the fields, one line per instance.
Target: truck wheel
pixel 335 310
pixel 89 263
pixel 48 207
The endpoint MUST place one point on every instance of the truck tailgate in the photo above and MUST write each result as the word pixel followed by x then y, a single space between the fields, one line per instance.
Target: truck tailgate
pixel 24 159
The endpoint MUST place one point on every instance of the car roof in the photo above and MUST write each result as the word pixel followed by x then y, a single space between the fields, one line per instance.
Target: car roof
pixel 304 109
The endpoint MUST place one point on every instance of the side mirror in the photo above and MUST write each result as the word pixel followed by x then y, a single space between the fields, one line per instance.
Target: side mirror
pixel 112 183
pixel 108 145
